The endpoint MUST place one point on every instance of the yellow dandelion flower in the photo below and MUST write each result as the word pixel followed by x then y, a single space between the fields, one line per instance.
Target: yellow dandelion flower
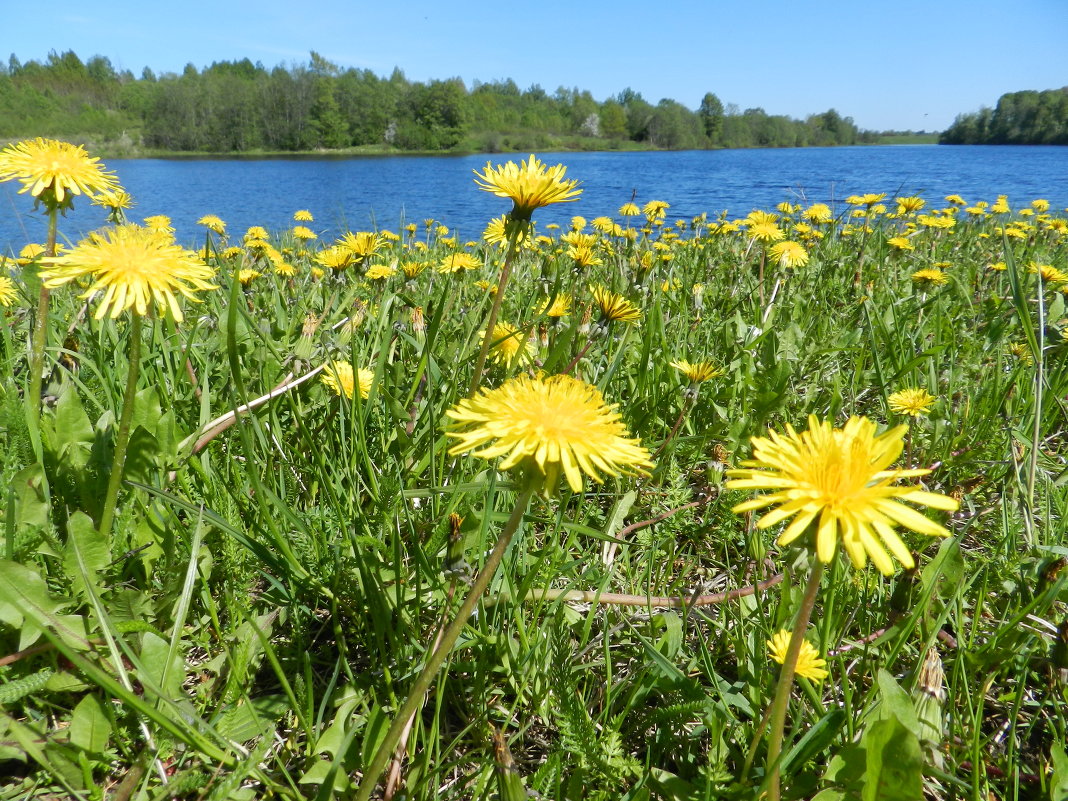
pixel 697 372
pixel 1022 351
pixel 529 186
pixel 53 172
pixel 758 216
pixel 930 275
pixel 655 209
pixel 285 269
pixel 510 346
pixel 304 233
pixel 900 243
pixel 615 307
pixel 629 210
pixel 560 306
pixel 838 479
pixel 256 232
pixel 583 256
pixel 455 262
pixel 818 213
pixel 303 215
pixel 247 276
pixel 115 201
pixel 213 223
pixel 603 225
pixel 336 257
pixel 1049 273
pixel 362 244
pixel 789 254
pixel 868 200
pixel 133 266
pixel 766 232
pixel 909 205
pixel 8 291
pixel 911 401
pixel 497 232
pixel 31 252
pixel 809 663
pixel 380 271
pixel 956 200
pixel 550 428
pixel 341 379
pixel 160 224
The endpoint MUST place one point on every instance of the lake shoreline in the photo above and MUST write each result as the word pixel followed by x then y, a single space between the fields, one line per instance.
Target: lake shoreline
pixel 102 150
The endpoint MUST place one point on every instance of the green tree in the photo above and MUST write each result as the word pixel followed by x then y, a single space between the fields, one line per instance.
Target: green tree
pixel 711 114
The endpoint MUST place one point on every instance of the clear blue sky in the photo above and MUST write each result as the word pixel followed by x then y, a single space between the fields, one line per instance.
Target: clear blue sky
pixel 909 64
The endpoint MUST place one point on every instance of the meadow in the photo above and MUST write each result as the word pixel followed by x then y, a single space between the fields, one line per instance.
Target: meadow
pixel 403 516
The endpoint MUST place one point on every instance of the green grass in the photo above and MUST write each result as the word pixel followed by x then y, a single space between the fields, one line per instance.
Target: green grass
pixel 258 615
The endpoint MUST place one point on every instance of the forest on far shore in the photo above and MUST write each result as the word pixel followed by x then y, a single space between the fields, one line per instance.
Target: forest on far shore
pixel 242 107
pixel 1020 118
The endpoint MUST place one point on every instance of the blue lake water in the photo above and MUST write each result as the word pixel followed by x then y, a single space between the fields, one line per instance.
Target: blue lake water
pixel 385 191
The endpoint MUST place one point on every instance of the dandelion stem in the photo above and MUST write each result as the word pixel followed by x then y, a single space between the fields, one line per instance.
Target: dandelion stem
pixel 40 337
pixel 781 703
pixel 122 439
pixel 438 655
pixel 516 229
pixel 675 428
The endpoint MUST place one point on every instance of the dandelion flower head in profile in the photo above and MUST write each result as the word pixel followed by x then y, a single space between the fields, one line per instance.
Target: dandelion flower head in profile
pixel 615 307
pixel 697 372
pixel 213 223
pixel 53 171
pixel 529 186
pixel 911 401
pixel 132 266
pixel 551 427
pixel 340 377
pixel 838 479
pixel 930 275
pixel 809 663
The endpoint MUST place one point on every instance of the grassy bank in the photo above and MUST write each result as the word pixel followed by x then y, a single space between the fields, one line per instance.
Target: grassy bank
pixel 284 555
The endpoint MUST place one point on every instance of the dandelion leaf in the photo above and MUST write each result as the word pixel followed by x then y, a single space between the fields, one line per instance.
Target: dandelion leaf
pixel 894 763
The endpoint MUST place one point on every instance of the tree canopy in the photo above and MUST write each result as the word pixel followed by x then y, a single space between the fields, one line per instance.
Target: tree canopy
pixel 241 106
pixel 1020 118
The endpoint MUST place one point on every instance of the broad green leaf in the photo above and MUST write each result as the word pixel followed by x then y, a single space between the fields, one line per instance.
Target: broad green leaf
pixel 1058 785
pixel 89 726
pixel 31 509
pixel 72 437
pixel 85 541
pixel 816 739
pixel 154 654
pixel 670 641
pixel 25 604
pixel 894 763
pixel 321 771
pixel 895 703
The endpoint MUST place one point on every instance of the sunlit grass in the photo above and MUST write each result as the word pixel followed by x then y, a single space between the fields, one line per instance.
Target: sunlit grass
pixel 285 552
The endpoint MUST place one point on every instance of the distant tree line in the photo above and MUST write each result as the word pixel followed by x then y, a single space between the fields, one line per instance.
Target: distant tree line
pixel 1020 118
pixel 240 106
